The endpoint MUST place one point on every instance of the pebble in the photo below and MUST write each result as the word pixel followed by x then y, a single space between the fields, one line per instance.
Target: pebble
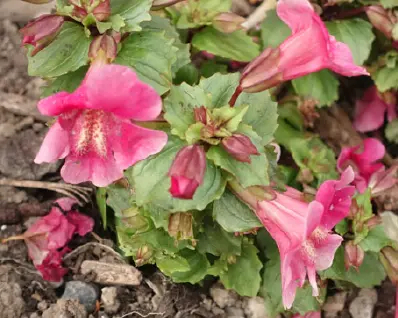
pixel 223 297
pixel 65 308
pixel 109 299
pixel 86 294
pixel 42 306
pixel 38 127
pixel 334 304
pixel 218 311
pixel 363 305
pixel 233 312
pixel 255 308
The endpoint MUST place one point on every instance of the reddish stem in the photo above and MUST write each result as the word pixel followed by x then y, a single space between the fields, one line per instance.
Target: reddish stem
pixel 350 13
pixel 396 303
pixel 235 96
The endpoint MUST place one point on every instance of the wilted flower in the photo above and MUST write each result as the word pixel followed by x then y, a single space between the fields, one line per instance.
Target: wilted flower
pixel 368 171
pixel 370 110
pixel 41 31
pixel 228 22
pixel 353 255
pixel 239 147
pixel 103 47
pixel 302 230
pixel 187 171
pixel 310 48
pixel 381 19
pixel 93 130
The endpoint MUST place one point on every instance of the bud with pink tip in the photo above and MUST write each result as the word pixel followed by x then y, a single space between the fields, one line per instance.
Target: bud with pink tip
pixel 103 48
pixel 228 22
pixel 239 147
pixel 100 9
pixel 381 19
pixel 353 255
pixel 41 31
pixel 187 171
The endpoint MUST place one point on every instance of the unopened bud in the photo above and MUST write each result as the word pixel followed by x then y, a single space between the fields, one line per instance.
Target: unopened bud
pixel 41 31
pixel 389 259
pixel 100 9
pixel 159 4
pixel 353 255
pixel 143 255
pixel 228 22
pixel 200 114
pixel 187 171
pixel 373 222
pixel 383 179
pixel 262 73
pixel 103 48
pixel 381 19
pixel 38 1
pixel 240 147
pixel 180 226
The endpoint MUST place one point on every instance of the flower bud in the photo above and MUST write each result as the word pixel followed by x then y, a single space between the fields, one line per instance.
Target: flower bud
pixel 381 19
pixel 38 1
pixel 262 73
pixel 103 49
pixel 353 255
pixel 228 22
pixel 100 9
pixel 41 31
pixel 389 259
pixel 201 115
pixel 239 147
pixel 159 4
pixel 180 226
pixel 383 179
pixel 187 171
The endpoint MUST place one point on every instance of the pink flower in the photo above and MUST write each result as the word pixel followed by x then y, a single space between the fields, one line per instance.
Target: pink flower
pixel 51 268
pixel 312 314
pixel 93 130
pixel 302 231
pixel 187 171
pixel 363 160
pixel 309 49
pixel 370 111
pixel 41 31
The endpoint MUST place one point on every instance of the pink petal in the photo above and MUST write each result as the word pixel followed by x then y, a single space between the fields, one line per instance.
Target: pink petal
pixel 342 61
pixel 183 188
pixel 297 14
pixel 37 248
pixel 51 268
pixel 391 112
pixel 83 223
pixel 55 145
pixel 312 279
pixel 369 111
pixel 136 143
pixel 314 216
pixel 62 102
pixel 325 252
pixel 66 204
pixel 373 150
pixel 100 171
pixel 116 89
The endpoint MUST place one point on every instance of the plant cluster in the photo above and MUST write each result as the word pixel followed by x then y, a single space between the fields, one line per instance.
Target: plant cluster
pixel 195 124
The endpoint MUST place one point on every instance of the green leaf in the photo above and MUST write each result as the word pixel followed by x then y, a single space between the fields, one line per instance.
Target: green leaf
pixel 214 240
pixel 389 3
pixel 152 184
pixel 356 33
pixel 342 227
pixel 68 82
pixel 198 265
pixel 183 54
pixel 133 12
pixel 386 78
pixel 391 131
pixel 188 74
pixel 119 199
pixel 151 54
pixel 375 240
pixel 101 202
pixel 169 264
pixel 179 106
pixel 233 215
pixel 244 275
pixel 211 67
pixel 273 30
pixel 304 301
pixel 322 86
pixel 262 114
pixel 370 273
pixel 67 53
pixel 236 46
pixel 196 13
pixel 248 174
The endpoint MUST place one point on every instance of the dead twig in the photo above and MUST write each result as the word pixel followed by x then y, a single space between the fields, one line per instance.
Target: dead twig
pixel 259 14
pixel 143 315
pixel 81 194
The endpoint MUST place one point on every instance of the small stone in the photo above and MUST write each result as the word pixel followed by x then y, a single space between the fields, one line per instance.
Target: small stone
pixel 37 127
pixel 112 274
pixel 34 315
pixel 363 305
pixel 3 227
pixel 255 308
pixel 218 311
pixel 86 294
pixel 11 302
pixel 102 314
pixel 207 304
pixel 334 304
pixel 109 300
pixel 42 306
pixel 233 312
pixel 223 297
pixel 66 308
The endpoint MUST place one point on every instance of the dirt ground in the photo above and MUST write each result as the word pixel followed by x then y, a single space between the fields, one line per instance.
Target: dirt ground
pixel 23 293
